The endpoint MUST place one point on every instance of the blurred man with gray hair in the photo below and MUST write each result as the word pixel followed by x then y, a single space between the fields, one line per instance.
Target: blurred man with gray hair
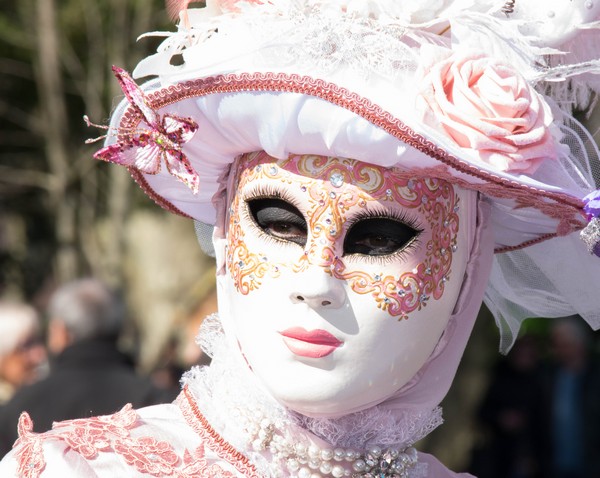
pixel 88 374
pixel 21 350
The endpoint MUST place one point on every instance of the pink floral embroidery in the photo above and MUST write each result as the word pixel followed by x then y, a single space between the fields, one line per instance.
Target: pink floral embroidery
pixel 197 466
pixel 89 436
pixel 29 445
pixel 567 222
pixel 112 434
pixel 147 455
pixel 488 107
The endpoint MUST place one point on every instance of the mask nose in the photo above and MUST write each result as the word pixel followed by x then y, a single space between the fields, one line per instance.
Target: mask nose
pixel 318 289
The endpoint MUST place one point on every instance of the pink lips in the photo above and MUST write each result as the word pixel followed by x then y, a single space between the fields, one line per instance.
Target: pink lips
pixel 314 343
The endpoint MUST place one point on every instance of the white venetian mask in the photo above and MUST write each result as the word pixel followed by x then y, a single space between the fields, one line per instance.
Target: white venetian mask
pixel 340 276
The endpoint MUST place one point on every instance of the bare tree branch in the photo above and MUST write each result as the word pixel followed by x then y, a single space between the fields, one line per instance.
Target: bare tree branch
pixel 26 177
pixel 19 69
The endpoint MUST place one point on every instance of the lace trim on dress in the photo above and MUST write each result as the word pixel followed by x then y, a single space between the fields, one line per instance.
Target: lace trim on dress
pixel 210 437
pixel 112 434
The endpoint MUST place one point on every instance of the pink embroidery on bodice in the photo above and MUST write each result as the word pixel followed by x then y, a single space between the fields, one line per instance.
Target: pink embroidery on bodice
pixel 112 434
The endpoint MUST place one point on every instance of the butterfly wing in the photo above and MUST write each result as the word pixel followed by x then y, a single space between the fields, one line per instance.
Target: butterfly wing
pixel 181 130
pixel 142 154
pixel 180 167
pixel 136 97
pixel 115 153
pixel 146 150
pixel 147 158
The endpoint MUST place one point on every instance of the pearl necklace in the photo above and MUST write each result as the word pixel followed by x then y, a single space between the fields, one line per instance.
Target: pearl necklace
pixel 310 461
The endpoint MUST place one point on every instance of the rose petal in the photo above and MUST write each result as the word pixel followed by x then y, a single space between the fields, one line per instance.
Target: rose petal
pixel 488 107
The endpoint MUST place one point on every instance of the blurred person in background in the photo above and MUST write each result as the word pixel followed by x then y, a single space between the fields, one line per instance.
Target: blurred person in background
pixel 571 405
pixel 509 416
pixel 88 374
pixel 22 353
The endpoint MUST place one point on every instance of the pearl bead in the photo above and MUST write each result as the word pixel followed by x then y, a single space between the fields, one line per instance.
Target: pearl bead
pixel 326 468
pixel 300 448
pixel 257 445
pixel 314 463
pixel 315 475
pixel 359 465
pixel 304 473
pixel 313 451
pixel 375 451
pixel 589 5
pixel 327 454
pixel 412 453
pixel 350 455
pixel 293 465
pixel 338 454
pixel 337 471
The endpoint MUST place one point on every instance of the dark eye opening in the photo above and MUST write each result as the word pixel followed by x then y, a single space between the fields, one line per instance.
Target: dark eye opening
pixel 279 219
pixel 378 236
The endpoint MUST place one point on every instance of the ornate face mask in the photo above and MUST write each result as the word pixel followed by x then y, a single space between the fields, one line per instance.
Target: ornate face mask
pixel 341 276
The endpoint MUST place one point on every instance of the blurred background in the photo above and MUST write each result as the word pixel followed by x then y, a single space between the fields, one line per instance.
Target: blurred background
pixel 65 216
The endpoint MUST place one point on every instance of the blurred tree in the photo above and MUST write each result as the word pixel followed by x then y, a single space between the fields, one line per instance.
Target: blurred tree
pixel 55 60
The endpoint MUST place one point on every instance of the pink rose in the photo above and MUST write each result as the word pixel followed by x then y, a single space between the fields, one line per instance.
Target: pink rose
pixel 487 106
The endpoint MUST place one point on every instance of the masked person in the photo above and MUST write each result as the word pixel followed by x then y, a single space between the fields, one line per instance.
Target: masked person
pixel 360 162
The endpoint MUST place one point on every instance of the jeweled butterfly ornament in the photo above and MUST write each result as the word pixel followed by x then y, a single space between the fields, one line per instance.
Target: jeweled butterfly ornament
pixel 146 149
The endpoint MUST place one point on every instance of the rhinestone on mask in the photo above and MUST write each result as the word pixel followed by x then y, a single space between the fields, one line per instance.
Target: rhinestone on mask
pixel 336 179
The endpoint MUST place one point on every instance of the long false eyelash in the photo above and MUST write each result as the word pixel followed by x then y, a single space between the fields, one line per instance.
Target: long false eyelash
pixel 383 260
pixel 266 191
pixel 399 255
pixel 400 216
pixel 270 240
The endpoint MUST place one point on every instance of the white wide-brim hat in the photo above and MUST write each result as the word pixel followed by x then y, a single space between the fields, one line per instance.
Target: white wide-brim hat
pixel 476 93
